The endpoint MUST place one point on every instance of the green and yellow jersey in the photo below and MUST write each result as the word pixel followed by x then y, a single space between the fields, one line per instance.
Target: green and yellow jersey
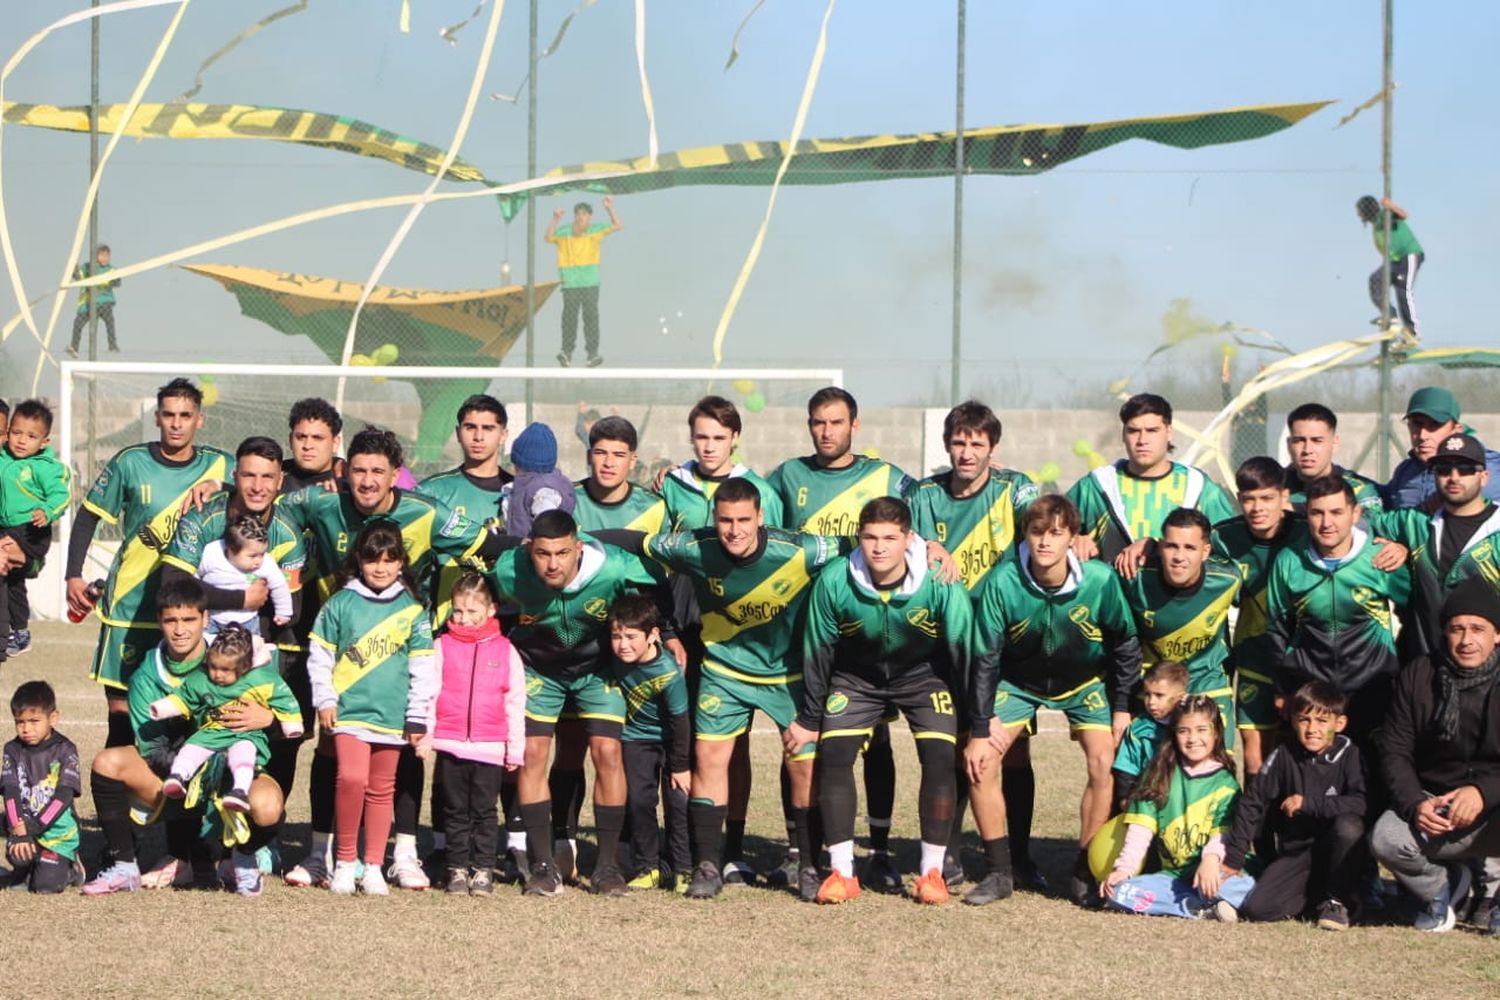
pixel 476 498
pixel 641 510
pixel 750 607
pixel 200 699
pixel 157 677
pixel 374 642
pixel 1197 809
pixel 654 691
pixel 689 497
pixel 827 502
pixel 1143 737
pixel 1119 508
pixel 1188 624
pixel 1366 490
pixel 143 493
pixel 978 530
pixel 1422 534
pixel 1250 652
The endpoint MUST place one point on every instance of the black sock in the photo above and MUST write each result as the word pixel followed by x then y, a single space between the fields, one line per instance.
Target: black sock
pixel 536 817
pixel 120 733
pixel 706 824
pixel 960 805
pixel 112 804
pixel 566 786
pixel 880 834
pixel 321 781
pixel 510 801
pixel 1018 787
pixel 880 792
pixel 608 821
pixel 807 847
pixel 260 836
pixel 734 840
pixel 997 855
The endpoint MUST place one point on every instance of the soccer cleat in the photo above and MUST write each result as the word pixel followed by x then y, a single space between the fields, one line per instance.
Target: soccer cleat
pixel 372 882
pixel 118 877
pixel 175 787
pixel 680 882
pixel 565 360
pixel 706 882
pixel 170 874
pixel 345 879
pixel 993 887
pixel 931 888
pixel 312 872
pixel 1224 912
pixel 1029 878
pixel 543 881
pixel 407 873
pixel 1438 916
pixel 514 869
pixel 436 864
pixel 809 882
pixel 648 879
pixel 458 882
pixel 953 871
pixel 595 361
pixel 18 643
pixel 608 881
pixel 784 876
pixel 482 883
pixel 881 874
pixel 737 872
pixel 237 800
pixel 837 888
pixel 565 858
pixel 247 877
pixel 1333 916
pixel 268 859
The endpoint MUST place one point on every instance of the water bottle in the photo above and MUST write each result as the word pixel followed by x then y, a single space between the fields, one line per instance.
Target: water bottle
pixel 92 594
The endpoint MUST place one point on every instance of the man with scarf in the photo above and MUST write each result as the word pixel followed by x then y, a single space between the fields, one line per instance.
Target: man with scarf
pixel 1442 761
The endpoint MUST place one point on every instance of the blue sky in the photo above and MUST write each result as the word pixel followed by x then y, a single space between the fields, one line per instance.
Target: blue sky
pixel 1067 274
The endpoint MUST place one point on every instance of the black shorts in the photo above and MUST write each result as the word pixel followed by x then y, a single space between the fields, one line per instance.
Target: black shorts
pixel 856 704
pixel 33 542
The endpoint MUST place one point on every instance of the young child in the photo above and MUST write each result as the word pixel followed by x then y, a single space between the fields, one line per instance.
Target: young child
pixel 1163 686
pixel 1183 807
pixel 40 780
pixel 656 742
pixel 371 666
pixel 1311 795
pixel 478 731
pixel 35 489
pixel 104 300
pixel 236 668
pixel 538 485
pixel 233 562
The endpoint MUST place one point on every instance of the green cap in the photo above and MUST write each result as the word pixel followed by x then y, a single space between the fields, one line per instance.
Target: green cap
pixel 1435 402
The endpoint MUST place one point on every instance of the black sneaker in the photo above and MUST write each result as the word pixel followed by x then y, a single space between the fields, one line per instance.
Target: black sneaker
pixel 1028 878
pixel 543 881
pixel 436 864
pixel 457 883
pixel 706 882
pixel 515 868
pixel 609 881
pixel 18 643
pixel 953 871
pixel 808 881
pixel 565 858
pixel 481 883
pixel 1333 916
pixel 237 800
pixel 785 875
pixel 993 887
pixel 1083 888
pixel 880 874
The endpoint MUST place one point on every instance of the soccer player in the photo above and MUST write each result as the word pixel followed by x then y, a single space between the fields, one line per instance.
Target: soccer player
pixel 1181 600
pixel 973 510
pixel 1050 631
pixel 1432 416
pixel 607 498
pixel 823 494
pixel 143 488
pixel 1311 437
pixel 563 586
pixel 314 434
pixel 578 266
pixel 1129 499
pixel 714 431
pixel 881 632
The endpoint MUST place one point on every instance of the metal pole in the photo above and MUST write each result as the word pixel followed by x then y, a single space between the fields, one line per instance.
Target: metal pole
pixel 531 214
pixel 1383 432
pixel 88 472
pixel 958 213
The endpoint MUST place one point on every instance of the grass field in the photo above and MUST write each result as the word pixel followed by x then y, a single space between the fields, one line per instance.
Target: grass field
pixel 748 942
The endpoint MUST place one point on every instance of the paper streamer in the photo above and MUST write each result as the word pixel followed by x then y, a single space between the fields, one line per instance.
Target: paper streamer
pixel 405 17
pixel 562 30
pixel 1382 95
pixel 233 43
pixel 475 85
pixel 450 33
pixel 734 43
pixel 765 223
pixel 640 62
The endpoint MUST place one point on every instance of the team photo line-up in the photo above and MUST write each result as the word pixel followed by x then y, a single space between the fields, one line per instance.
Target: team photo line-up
pixel 1337 636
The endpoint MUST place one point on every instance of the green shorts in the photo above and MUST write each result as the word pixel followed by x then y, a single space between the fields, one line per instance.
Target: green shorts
pixel 725 706
pixel 121 649
pixel 1087 706
pixel 1255 701
pixel 596 699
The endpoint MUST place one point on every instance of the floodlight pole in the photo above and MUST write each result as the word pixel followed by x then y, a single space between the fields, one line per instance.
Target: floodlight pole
pixel 958 212
pixel 531 212
pixel 92 251
pixel 1383 436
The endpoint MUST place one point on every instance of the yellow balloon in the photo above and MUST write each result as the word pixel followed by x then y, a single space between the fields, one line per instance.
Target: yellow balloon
pixel 385 354
pixel 1230 350
pixel 744 386
pixel 1082 448
pixel 210 395
pixel 1048 473
pixel 361 360
pixel 871 453
pixel 1105 848
pixel 1096 460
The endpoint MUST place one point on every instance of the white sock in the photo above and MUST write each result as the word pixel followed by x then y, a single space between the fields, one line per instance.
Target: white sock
pixel 322 848
pixel 932 856
pixel 439 840
pixel 406 847
pixel 241 758
pixel 841 857
pixel 515 840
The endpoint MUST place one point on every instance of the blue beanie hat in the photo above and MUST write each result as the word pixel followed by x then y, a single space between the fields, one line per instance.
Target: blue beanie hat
pixel 535 449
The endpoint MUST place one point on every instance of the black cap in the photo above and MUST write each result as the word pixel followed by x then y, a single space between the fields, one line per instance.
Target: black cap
pixel 1473 597
pixel 1460 448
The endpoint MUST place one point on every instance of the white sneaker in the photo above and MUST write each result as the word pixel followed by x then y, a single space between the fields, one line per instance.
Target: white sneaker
pixel 170 874
pixel 343 882
pixel 407 873
pixel 312 872
pixel 372 883
pixel 737 873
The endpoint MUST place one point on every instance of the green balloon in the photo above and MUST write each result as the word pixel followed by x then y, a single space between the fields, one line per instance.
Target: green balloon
pixel 1081 448
pixel 755 402
pixel 1049 472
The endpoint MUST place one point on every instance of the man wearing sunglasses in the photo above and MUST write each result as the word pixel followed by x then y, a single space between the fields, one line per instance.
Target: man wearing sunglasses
pixel 1432 416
